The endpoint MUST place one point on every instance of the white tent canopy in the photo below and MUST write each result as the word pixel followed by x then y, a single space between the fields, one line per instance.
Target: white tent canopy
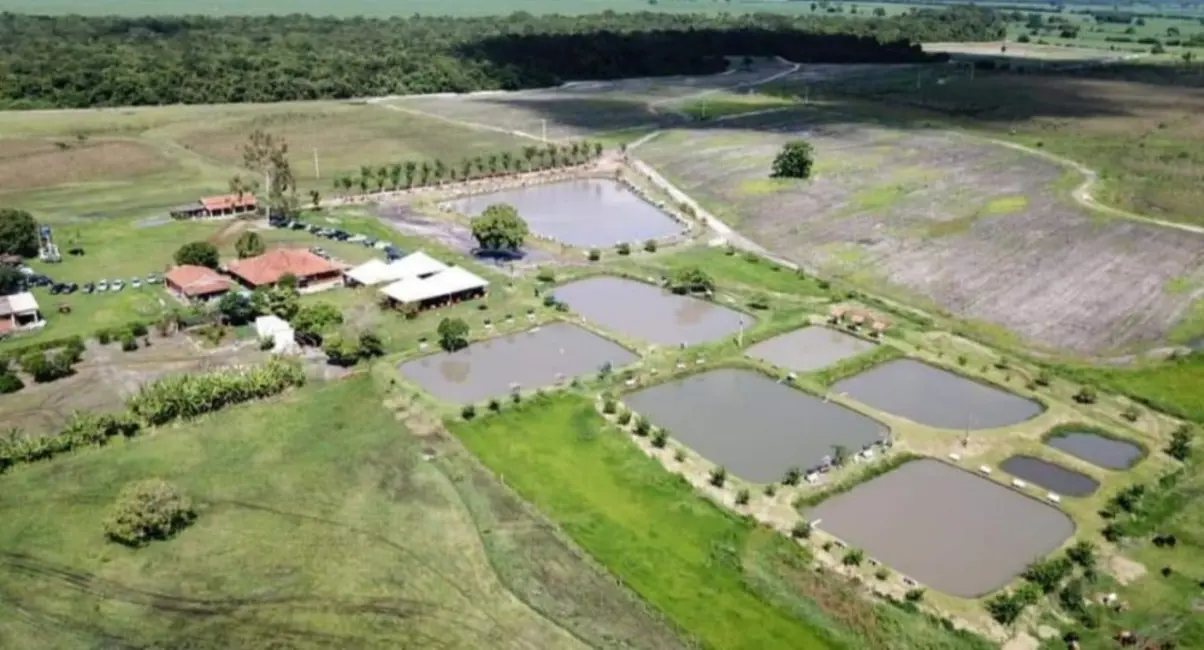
pixel 414 265
pixel 448 282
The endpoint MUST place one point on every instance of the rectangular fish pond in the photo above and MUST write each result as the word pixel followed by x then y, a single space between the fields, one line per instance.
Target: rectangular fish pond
pixel 537 357
pixel 1055 478
pixel 945 527
pixel 590 213
pixel 755 427
pixel 809 349
pixel 1098 450
pixel 642 311
pixel 937 398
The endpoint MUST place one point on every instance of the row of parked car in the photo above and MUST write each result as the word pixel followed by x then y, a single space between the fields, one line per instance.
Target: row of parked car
pixel 391 252
pixel 34 279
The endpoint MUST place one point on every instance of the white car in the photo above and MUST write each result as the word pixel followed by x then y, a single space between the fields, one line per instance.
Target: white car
pixel 103 285
pixel 135 283
pixel 117 285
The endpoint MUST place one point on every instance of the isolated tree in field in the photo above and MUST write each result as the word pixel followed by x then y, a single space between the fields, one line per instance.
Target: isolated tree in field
pixel 453 334
pixel 500 228
pixel 249 244
pixel 198 253
pixel 794 160
pixel 315 198
pixel 148 510
pixel 11 280
pixel 18 233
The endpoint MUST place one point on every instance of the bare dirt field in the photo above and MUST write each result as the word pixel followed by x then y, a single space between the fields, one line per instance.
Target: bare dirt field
pixel 977 229
pixel 108 376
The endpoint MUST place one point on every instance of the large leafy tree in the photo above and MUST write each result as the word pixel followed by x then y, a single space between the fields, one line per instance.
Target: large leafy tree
pixel 453 334
pixel 237 308
pixel 18 233
pixel 249 244
pixel 499 228
pixel 198 253
pixel 11 280
pixel 794 160
pixel 313 321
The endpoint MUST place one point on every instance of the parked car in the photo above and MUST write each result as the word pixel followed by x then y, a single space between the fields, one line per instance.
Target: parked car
pixel 355 239
pixel 153 278
pixel 369 242
pixel 103 285
pixel 89 287
pixel 57 289
pixel 117 285
pixel 315 229
pixel 136 283
pixel 319 251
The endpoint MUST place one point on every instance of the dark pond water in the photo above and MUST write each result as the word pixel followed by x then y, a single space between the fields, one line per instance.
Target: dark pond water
pixel 947 528
pixel 1055 478
pixel 936 397
pixel 650 313
pixel 588 212
pixel 1096 449
pixel 537 357
pixel 752 425
pixel 809 349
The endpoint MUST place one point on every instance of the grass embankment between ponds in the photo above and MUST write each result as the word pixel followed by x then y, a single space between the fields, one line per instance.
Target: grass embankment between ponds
pixel 320 526
pixel 730 583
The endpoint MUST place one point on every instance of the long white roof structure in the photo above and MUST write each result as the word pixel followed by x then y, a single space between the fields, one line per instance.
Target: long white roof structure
pixel 451 281
pixel 414 265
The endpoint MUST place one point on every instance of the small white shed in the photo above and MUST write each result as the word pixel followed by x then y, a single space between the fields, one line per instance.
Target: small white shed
pixel 279 331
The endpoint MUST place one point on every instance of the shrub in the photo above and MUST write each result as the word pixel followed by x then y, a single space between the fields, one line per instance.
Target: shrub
pixel 468 412
pixel 660 438
pixel 770 490
pixel 679 455
pixel 1043 378
pixel 44 367
pixel 1048 574
pixel 650 245
pixel 104 336
pixel 962 360
pixel 742 497
pixel 793 161
pixel 148 510
pixel 545 275
pixel 267 343
pixel 690 279
pixel 595 255
pixel 623 248
pixel 718 476
pixel 853 557
pixel 1086 395
pixel 609 406
pixel 495 405
pixel 642 427
pixel 624 417
pixel 1082 554
pixel 10 383
pixel 139 329
pixel 128 342
pixel 1005 608
pixel 340 351
pixel 759 301
pixel 1131 413
pixel 1180 446
pixel 793 476
pixel 370 345
pixel 453 334
pixel 882 574
pixel 914 595
pixel 549 300
pixel 516 397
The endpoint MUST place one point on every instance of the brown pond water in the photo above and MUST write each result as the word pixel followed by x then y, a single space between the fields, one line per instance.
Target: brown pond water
pixel 937 398
pixel 809 349
pixel 755 427
pixel 943 526
pixel 642 311
pixel 589 213
pixel 530 359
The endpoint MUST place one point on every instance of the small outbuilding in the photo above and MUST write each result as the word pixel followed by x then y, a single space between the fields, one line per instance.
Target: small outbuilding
pixel 277 330
pixel 313 273
pixel 455 284
pixel 196 283
pixel 217 206
pixel 20 312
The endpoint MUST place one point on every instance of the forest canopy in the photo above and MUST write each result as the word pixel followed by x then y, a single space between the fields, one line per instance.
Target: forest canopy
pixel 80 62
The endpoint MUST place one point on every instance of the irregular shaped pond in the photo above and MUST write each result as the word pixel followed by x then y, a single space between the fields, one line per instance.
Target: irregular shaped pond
pixel 752 425
pixel 809 349
pixel 1055 478
pixel 589 212
pixel 650 313
pixel 945 527
pixel 935 397
pixel 536 357
pixel 1098 450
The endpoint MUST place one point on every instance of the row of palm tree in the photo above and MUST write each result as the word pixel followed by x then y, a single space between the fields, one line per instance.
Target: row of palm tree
pixel 411 173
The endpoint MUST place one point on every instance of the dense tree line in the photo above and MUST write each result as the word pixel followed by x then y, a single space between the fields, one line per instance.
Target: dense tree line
pixel 73 61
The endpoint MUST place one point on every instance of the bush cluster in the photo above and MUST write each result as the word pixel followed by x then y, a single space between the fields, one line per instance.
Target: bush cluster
pixel 148 510
pixel 82 430
pixel 187 396
pixel 344 351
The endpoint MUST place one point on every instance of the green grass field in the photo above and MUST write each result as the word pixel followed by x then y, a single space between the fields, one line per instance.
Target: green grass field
pixel 73 166
pixel 320 526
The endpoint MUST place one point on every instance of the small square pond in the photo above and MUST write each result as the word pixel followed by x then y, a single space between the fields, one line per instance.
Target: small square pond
pixel 531 359
pixel 642 311
pixel 590 213
pixel 809 349
pixel 937 398
pixel 951 530
pixel 755 427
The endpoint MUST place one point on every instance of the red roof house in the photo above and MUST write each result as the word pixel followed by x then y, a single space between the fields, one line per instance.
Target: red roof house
pixel 267 269
pixel 229 204
pixel 196 282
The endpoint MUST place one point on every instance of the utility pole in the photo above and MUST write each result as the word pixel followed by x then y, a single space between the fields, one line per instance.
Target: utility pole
pixel 317 169
pixel 543 125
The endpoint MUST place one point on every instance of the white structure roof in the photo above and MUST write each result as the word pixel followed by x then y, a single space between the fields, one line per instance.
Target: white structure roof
pixel 18 303
pixel 453 280
pixel 415 264
pixel 283 337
